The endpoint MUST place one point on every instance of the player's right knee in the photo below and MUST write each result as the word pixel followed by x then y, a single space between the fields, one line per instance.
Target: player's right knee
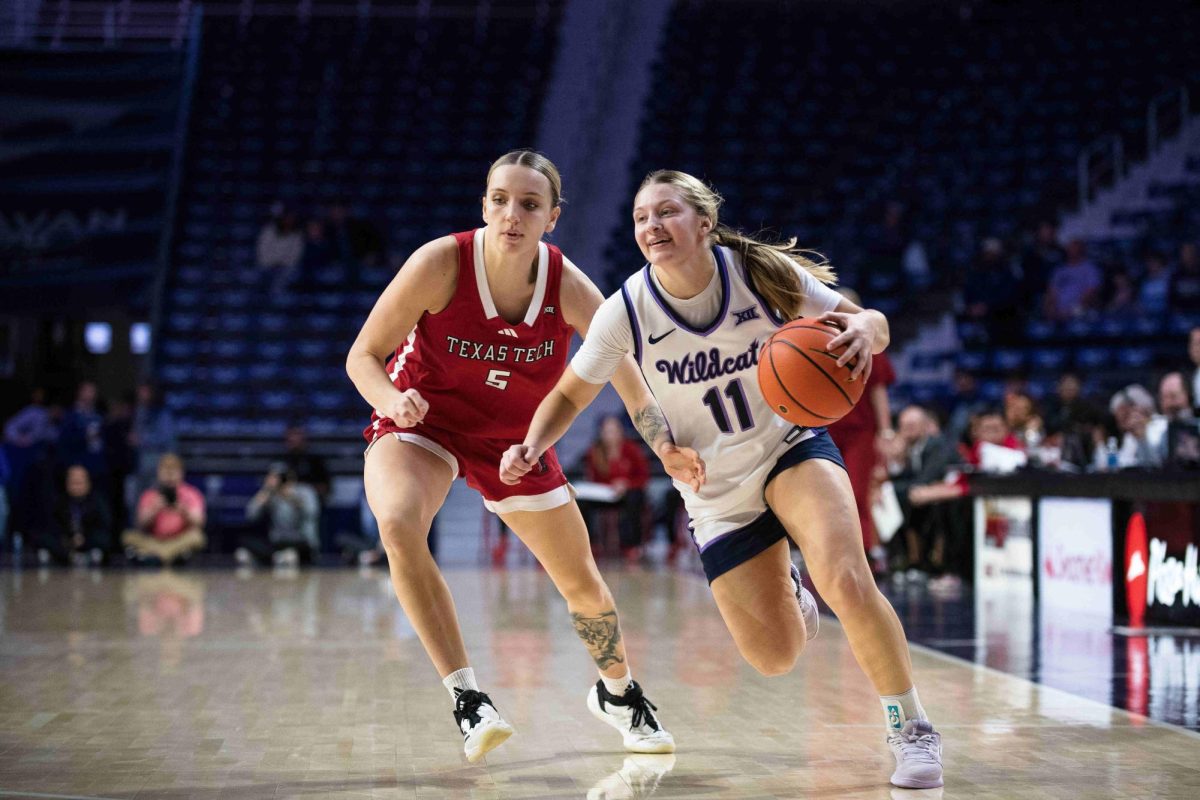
pixel 400 532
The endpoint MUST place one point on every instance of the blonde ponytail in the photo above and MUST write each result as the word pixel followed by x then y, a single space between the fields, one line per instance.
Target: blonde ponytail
pixel 771 266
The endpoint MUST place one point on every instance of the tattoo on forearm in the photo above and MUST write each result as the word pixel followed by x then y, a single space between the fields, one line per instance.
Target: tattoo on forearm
pixel 602 635
pixel 650 423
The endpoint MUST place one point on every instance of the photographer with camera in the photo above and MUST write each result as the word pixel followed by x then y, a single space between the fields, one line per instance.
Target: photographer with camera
pixel 293 510
pixel 170 519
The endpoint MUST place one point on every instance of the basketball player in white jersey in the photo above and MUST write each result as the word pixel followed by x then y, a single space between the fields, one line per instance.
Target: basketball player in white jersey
pixel 695 318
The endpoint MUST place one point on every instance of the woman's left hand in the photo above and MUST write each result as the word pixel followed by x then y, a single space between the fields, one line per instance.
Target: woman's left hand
pixel 857 336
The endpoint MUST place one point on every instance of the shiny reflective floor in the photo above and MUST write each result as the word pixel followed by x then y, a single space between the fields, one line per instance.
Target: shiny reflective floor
pixel 211 684
pixel 1157 676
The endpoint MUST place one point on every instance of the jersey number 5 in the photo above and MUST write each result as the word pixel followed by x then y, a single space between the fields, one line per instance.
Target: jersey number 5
pixel 712 399
pixel 498 378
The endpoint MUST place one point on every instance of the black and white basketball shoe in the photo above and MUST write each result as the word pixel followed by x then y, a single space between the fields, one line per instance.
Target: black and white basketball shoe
pixel 633 715
pixel 480 723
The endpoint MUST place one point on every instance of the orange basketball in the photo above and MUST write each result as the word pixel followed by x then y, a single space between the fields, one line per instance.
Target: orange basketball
pixel 801 380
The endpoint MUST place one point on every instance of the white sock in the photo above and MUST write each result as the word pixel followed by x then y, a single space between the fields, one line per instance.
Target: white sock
pixel 900 708
pixel 617 686
pixel 461 679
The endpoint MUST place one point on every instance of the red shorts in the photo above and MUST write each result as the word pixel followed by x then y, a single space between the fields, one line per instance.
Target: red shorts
pixel 478 460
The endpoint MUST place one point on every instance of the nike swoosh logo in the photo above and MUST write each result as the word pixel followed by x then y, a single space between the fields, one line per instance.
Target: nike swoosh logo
pixel 656 339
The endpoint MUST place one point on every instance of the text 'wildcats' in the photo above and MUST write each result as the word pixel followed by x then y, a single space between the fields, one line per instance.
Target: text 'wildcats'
pixel 707 365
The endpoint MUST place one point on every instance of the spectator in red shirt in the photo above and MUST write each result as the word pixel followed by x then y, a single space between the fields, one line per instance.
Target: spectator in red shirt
pixel 617 461
pixel 991 427
pixel 170 518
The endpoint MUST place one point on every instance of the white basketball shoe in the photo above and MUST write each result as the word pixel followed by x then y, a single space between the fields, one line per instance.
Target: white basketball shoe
pixel 918 751
pixel 480 723
pixel 808 606
pixel 633 715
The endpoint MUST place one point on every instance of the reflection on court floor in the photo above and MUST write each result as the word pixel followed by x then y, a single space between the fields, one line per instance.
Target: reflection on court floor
pixel 265 685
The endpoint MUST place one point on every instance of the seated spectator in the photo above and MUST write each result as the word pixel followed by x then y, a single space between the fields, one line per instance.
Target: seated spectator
pixel 988 427
pixel 309 467
pixel 1021 416
pixel 280 246
pixel 1174 405
pixel 1074 287
pixel 1040 260
pixel 1192 373
pixel 965 403
pixel 1134 411
pixel 991 292
pixel 1073 421
pixel 1174 399
pixel 353 238
pixel 617 461
pixel 81 435
pixel 34 503
pixel 1185 282
pixel 1155 292
pixel 920 460
pixel 79 532
pixel 318 251
pixel 32 425
pixel 169 519
pixel 122 459
pixel 291 509
pixel 1119 296
pixel 153 434
pixel 5 485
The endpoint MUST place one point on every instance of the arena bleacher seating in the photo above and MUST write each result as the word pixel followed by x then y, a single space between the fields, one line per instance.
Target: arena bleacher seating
pixel 390 117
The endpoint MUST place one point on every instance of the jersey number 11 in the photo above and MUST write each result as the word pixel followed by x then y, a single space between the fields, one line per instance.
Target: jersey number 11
pixel 736 395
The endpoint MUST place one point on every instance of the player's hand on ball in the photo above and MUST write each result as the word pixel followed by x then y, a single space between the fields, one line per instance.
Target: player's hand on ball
pixel 683 464
pixel 857 336
pixel 517 462
pixel 406 409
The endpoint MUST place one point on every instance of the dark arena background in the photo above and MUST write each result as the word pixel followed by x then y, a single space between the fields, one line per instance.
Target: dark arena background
pixel 201 202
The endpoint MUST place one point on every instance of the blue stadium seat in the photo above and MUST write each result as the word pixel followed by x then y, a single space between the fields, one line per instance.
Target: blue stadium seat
pixel 1040 330
pixel 1135 357
pixel 179 349
pixel 972 360
pixel 1007 359
pixel 1048 359
pixel 1090 358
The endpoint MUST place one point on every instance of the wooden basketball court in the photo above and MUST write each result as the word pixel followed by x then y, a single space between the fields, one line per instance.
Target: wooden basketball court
pixel 211 684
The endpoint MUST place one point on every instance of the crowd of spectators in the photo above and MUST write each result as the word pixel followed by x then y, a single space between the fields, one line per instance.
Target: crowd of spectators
pixel 72 472
pixel 289 247
pixel 101 481
pixel 928 464
pixel 1006 286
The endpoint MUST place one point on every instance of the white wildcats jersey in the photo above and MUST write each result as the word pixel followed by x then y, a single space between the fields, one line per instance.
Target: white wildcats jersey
pixel 706 381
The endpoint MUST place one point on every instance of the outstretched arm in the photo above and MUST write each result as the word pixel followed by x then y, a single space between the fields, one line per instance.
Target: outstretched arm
pixel 681 463
pixel 554 415
pixel 580 300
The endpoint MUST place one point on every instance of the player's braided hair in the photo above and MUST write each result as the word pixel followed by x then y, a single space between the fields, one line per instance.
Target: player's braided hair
pixel 770 265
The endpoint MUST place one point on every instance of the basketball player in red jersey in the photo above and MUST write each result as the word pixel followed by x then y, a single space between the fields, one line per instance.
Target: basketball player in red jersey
pixel 485 318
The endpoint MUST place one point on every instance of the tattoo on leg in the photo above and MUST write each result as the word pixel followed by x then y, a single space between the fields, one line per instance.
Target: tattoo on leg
pixel 650 423
pixel 601 634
